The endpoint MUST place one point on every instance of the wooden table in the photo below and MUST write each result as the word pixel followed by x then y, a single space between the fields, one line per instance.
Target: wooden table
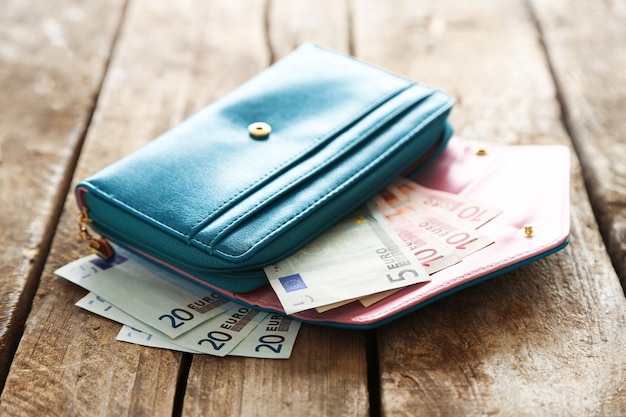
pixel 84 83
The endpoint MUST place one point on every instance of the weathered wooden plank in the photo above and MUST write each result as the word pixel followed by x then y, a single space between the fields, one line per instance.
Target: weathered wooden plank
pixel 327 373
pixel 159 75
pixel 506 347
pixel 546 339
pixel 325 376
pixel 68 362
pixel 589 63
pixel 52 60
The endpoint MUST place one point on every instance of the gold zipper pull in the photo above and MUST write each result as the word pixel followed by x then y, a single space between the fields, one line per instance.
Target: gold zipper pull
pixel 97 244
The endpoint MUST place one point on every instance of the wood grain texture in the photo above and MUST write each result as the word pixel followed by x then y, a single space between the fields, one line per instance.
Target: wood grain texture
pixel 327 373
pixel 50 72
pixel 589 63
pixel 160 74
pixel 325 376
pixel 546 339
pixel 68 362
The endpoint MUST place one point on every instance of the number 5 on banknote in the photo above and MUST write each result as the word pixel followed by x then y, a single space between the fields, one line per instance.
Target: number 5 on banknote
pixel 359 256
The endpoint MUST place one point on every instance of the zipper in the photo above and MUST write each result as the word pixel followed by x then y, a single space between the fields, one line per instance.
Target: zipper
pixel 96 244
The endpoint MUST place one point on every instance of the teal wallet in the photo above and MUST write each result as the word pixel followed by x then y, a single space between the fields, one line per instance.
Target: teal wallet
pixel 263 170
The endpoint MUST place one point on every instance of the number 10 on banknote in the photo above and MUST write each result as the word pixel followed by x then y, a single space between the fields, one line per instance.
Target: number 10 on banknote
pixel 360 255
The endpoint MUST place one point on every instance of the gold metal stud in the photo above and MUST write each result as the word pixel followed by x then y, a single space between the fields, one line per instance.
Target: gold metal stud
pixel 528 231
pixel 482 151
pixel 259 130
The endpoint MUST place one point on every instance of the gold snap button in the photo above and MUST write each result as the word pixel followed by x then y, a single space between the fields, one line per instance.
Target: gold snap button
pixel 259 130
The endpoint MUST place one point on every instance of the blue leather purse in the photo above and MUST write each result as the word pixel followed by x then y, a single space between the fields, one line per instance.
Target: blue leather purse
pixel 262 171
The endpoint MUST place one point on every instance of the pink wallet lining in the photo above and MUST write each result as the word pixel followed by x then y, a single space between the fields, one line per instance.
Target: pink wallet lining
pixel 531 183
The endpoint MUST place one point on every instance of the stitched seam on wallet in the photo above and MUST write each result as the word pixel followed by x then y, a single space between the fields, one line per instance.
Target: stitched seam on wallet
pixel 140 213
pixel 363 110
pixel 338 154
pixel 348 182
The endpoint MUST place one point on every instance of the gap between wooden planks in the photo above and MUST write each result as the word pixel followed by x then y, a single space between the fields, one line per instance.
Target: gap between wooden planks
pixel 171 59
pixel 50 73
pixel 545 339
pixel 472 343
